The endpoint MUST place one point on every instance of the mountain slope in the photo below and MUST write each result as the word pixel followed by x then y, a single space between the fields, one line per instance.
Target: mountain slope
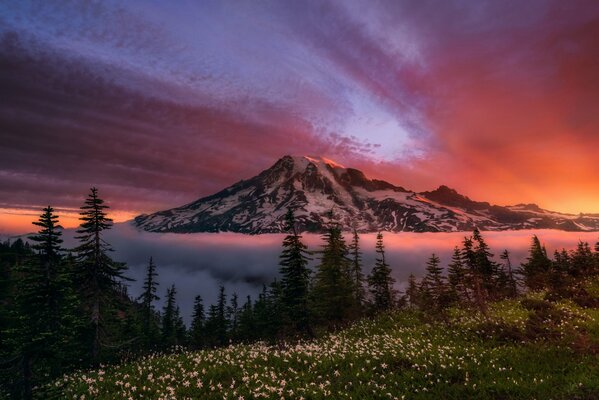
pixel 314 187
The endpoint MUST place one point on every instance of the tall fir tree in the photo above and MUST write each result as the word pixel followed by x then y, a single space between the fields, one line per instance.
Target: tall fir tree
pixel 357 274
pixel 180 328
pixel 512 285
pixel 535 271
pixel 295 277
pixel 148 297
pixel 169 318
pixel 247 329
pixel 261 317
pixel 433 286
pixel 471 260
pixel 486 268
pixel 99 274
pixel 45 308
pixel 457 277
pixel 559 278
pixel 198 322
pixel 380 281
pixel 332 294
pixel 217 323
pixel 413 292
pixel 582 261
pixel 233 317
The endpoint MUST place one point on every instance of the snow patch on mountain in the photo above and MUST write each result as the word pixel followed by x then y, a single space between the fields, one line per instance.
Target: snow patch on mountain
pixel 315 187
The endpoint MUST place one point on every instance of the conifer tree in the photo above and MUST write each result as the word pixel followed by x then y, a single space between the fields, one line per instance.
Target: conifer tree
pixel 457 277
pixel 295 277
pixel 484 265
pixel 180 329
pixel 99 275
pixel 475 277
pixel 537 266
pixel 45 308
pixel 169 318
pixel 380 280
pixel 216 323
pixel 582 261
pixel 147 298
pixel 357 274
pixel 197 333
pixel 247 329
pixel 332 294
pixel 233 317
pixel 512 285
pixel 261 317
pixel 559 278
pixel 275 311
pixel 413 292
pixel 433 286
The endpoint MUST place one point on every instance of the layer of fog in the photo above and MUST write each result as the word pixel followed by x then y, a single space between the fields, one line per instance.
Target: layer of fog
pixel 199 263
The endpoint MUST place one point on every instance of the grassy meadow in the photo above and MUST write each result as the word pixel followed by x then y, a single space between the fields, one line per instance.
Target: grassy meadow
pixel 523 349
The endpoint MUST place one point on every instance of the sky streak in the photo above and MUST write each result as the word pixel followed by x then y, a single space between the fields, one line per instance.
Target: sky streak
pixel 159 103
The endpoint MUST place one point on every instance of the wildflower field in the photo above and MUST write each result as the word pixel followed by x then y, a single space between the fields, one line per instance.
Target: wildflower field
pixel 394 356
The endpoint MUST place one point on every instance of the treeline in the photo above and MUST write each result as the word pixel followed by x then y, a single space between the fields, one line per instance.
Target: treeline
pixel 473 278
pixel 64 309
pixel 61 309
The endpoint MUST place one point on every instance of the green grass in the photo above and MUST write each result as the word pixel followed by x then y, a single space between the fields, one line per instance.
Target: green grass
pixel 391 357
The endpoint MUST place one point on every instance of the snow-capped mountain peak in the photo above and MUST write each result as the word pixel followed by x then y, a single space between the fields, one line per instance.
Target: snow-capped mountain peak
pixel 316 186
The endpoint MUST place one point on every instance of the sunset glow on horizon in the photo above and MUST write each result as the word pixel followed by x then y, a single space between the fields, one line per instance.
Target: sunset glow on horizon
pixel 158 104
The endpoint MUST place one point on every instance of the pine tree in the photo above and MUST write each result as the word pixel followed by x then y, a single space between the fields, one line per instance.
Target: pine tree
pixel 537 266
pixel 486 268
pixel 413 292
pixel 332 294
pixel 197 333
pixel 295 277
pixel 99 274
pixel 180 329
pixel 559 278
pixel 380 280
pixel 216 323
pixel 471 259
pixel 458 277
pixel 45 308
pixel 147 298
pixel 261 317
pixel 357 274
pixel 169 318
pixel 433 286
pixel 247 329
pixel 233 317
pixel 512 285
pixel 582 261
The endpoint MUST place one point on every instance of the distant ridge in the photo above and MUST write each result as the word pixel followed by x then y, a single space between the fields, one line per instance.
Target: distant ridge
pixel 313 186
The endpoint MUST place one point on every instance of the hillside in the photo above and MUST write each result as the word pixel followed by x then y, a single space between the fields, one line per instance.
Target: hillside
pixel 315 186
pixel 395 356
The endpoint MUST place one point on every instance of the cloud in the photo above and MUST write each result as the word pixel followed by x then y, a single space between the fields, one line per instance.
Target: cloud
pixel 159 105
pixel 200 263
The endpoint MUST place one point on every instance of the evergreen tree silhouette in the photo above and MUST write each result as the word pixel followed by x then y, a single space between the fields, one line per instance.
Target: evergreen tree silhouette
pixel 148 296
pixel 380 281
pixel 99 275
pixel 295 277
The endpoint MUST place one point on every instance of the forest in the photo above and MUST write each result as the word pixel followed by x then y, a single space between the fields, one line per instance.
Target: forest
pixel 67 310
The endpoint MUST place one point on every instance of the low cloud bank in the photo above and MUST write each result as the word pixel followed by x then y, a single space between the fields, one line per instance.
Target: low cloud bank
pixel 199 263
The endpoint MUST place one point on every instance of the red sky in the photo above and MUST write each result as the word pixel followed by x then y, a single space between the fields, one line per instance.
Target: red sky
pixel 496 99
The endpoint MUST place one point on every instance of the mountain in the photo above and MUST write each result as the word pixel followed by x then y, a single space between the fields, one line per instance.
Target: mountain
pixel 315 186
